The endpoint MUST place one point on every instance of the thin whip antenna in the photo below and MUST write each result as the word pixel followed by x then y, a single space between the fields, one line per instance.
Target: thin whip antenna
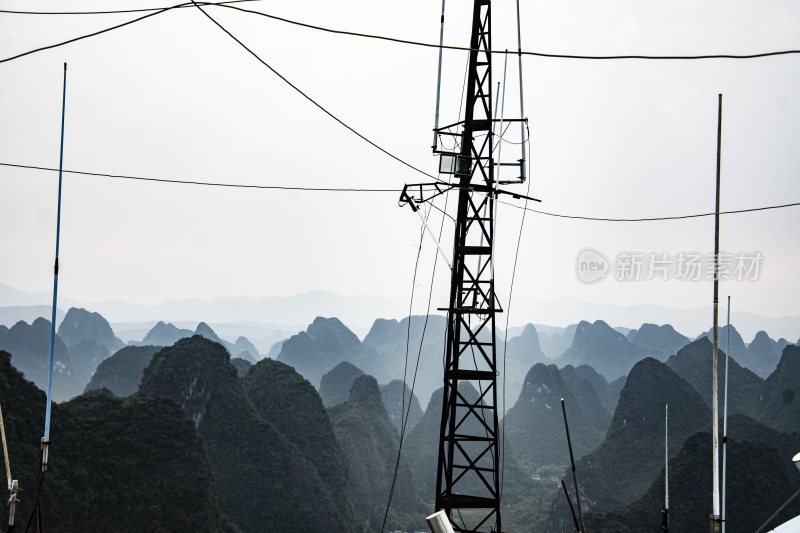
pixel 665 519
pixel 13 485
pixel 572 462
pixel 438 81
pixel 5 449
pixel 715 517
pixel 35 518
pixel 725 415
pixel 521 99
pixel 497 176
pixel 46 438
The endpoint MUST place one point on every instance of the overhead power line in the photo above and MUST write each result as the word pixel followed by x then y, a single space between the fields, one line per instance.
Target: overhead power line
pixel 114 11
pixel 106 30
pixel 157 11
pixel 651 219
pixel 206 183
pixel 511 52
pixel 375 190
pixel 307 97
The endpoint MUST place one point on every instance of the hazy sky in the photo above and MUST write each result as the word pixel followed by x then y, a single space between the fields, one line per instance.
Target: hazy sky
pixel 174 97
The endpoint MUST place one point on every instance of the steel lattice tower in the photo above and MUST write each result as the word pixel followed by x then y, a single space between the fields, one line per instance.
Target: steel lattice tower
pixel 468 473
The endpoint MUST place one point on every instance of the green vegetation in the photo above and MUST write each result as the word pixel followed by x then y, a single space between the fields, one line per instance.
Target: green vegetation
pixel 370 443
pixel 264 482
pixel 114 465
pixel 284 398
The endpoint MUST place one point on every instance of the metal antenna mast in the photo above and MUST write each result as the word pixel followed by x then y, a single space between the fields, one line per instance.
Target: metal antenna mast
pixel 468 473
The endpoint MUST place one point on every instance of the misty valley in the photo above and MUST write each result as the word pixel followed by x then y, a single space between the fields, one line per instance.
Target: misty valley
pixel 188 430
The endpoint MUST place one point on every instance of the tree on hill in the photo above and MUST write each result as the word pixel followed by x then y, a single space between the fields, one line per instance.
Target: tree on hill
pixel 287 400
pixel 263 480
pixel 113 465
pixel 370 442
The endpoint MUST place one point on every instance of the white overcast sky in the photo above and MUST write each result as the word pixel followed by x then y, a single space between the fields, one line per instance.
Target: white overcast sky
pixel 174 97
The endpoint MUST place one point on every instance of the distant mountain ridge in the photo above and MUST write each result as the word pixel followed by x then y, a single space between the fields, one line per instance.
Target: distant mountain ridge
pixel 657 341
pixel 694 364
pixel 603 348
pixel 29 345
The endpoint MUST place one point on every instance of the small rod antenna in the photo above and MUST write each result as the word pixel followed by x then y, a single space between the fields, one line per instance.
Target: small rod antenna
pixel 497 177
pixel 715 517
pixel 665 522
pixel 521 99
pixel 572 462
pixel 571 508
pixel 725 415
pixel 48 408
pixel 5 449
pixel 438 81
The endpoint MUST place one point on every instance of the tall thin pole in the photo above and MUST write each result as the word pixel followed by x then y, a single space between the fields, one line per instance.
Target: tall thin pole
pixel 725 415
pixel 46 438
pixel 572 462
pixel 715 517
pixel 665 522
pixel 438 80
pixel 521 99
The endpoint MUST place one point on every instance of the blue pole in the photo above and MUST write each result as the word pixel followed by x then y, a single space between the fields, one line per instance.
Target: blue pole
pixel 55 272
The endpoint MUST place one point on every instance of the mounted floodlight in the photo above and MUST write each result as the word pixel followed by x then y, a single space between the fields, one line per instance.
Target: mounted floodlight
pixel 439 523
pixel 452 163
pixel 447 163
pixel 796 460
